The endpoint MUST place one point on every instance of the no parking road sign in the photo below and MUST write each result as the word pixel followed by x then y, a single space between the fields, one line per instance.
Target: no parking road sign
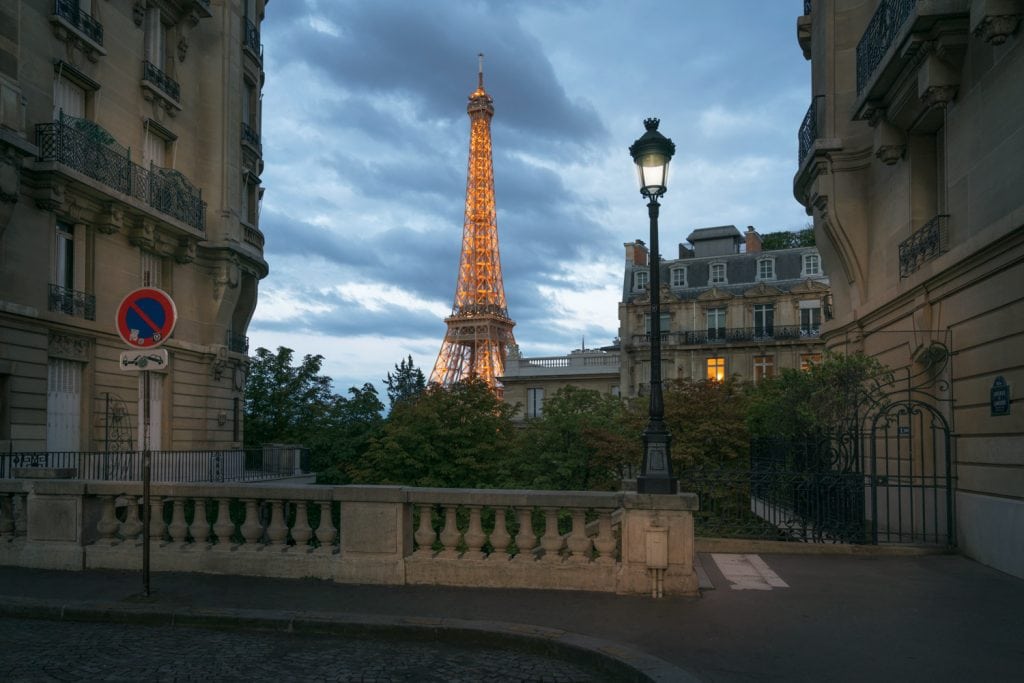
pixel 146 318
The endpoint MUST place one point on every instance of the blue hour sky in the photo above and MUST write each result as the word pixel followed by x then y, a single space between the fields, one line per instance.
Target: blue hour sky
pixel 365 138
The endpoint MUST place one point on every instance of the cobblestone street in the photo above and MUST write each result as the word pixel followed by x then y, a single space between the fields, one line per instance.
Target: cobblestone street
pixel 39 650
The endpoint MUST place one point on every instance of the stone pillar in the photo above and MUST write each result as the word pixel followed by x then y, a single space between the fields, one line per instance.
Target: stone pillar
pixel 657 544
pixel 376 535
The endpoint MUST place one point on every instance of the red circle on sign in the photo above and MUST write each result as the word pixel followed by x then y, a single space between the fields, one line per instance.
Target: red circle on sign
pixel 146 318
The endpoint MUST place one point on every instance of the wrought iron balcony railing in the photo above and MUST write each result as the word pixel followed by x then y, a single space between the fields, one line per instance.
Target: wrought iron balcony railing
pixel 250 136
pixel 926 243
pixel 237 343
pixel 69 11
pixel 72 302
pixel 251 36
pixel 807 7
pixel 166 84
pixel 878 36
pixel 808 130
pixel 735 334
pixel 89 149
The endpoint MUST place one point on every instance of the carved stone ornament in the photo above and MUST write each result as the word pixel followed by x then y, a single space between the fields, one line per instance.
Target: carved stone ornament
pixel 890 154
pixel 10 179
pixel 994 30
pixel 143 234
pixel 50 197
pixel 938 95
pixel 186 251
pixel 111 219
pixel 182 48
pixel 138 13
pixel 68 347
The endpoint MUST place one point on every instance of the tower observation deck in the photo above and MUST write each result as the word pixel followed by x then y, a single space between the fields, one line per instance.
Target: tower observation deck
pixel 479 329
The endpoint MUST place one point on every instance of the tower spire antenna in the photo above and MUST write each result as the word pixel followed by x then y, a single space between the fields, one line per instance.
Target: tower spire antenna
pixel 480 73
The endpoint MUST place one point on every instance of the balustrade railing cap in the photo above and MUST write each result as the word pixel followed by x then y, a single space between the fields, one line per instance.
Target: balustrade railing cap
pixel 653 501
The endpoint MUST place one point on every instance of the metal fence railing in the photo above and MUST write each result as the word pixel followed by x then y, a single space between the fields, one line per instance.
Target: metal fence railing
pixel 230 465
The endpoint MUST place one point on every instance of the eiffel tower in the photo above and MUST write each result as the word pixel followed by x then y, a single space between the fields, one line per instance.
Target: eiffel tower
pixel 479 329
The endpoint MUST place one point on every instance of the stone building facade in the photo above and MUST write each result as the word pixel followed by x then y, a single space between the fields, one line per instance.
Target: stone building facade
pixel 728 309
pixel 912 165
pixel 129 155
pixel 528 382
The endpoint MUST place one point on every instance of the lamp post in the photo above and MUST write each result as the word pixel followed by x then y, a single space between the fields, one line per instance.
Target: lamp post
pixel 652 153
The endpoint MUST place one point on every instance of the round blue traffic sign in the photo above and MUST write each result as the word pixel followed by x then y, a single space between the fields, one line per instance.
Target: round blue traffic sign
pixel 146 318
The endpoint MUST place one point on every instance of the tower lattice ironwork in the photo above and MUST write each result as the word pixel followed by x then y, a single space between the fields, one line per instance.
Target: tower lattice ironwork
pixel 479 329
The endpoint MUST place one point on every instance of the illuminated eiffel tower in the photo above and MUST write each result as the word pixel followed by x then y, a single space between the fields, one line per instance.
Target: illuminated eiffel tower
pixel 479 329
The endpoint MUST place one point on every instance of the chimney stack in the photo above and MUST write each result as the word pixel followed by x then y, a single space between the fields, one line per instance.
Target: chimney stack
pixel 636 253
pixel 753 240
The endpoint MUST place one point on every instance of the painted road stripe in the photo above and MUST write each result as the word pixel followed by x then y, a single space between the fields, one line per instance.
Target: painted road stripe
pixel 747 572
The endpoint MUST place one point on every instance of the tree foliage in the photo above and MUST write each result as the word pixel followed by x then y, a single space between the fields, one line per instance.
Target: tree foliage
pixel 706 420
pixel 788 239
pixel 407 382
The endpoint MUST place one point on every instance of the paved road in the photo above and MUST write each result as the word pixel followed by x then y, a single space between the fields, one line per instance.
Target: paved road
pixel 38 650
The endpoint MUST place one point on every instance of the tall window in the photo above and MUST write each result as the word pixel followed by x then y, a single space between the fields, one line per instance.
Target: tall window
pixel 716 323
pixel 640 279
pixel 155 150
pixel 68 97
pixel 716 274
pixel 809 359
pixel 764 366
pixel 250 200
pixel 156 39
pixel 764 320
pixel 152 267
pixel 766 269
pixel 810 318
pixel 64 256
pixel 811 265
pixel 663 321
pixel 716 369
pixel 535 402
pixel 678 277
pixel 63 405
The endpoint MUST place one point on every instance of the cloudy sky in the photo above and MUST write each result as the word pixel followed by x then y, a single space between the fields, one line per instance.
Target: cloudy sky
pixel 365 138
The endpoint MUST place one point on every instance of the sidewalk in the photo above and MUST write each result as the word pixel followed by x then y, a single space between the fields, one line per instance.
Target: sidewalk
pixel 937 617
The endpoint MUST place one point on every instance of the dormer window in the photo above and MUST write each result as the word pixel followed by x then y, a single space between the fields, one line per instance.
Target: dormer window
pixel 640 279
pixel 766 269
pixel 811 265
pixel 678 277
pixel 717 274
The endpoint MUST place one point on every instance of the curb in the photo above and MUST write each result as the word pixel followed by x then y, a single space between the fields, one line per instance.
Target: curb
pixel 617 662
pixel 757 546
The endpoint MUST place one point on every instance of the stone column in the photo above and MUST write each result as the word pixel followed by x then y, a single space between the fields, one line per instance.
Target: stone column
pixel 657 544
pixel 376 535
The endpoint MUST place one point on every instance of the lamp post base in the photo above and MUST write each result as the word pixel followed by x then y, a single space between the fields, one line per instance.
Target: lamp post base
pixel 657 468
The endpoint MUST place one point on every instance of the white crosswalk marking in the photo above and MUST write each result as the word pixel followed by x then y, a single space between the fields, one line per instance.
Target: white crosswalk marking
pixel 747 572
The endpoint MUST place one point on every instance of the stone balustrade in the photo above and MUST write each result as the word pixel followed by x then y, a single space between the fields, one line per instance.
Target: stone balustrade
pixel 615 542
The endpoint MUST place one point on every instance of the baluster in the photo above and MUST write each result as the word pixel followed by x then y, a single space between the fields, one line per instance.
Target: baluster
pixel 551 541
pixel 425 534
pixel 178 529
pixel 579 542
pixel 156 519
pixel 277 530
pixel 224 528
pixel 499 537
pixel 605 541
pixel 6 516
pixel 108 524
pixel 326 533
pixel 450 534
pixel 475 535
pixel 301 531
pixel 131 528
pixel 526 540
pixel 199 530
pixel 251 527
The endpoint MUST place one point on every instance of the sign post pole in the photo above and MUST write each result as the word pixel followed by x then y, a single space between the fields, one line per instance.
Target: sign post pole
pixel 145 319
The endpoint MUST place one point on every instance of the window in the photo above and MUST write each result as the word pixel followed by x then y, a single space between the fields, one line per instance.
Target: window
pixel 766 269
pixel 664 321
pixel 716 323
pixel 678 277
pixel 810 318
pixel 535 402
pixel 155 150
pixel 250 199
pixel 809 359
pixel 764 320
pixel 63 405
pixel 764 366
pixel 716 369
pixel 156 390
pixel 615 391
pixel 640 279
pixel 64 256
pixel 68 98
pixel 156 38
pixel 716 274
pixel 811 265
pixel 5 407
pixel 152 270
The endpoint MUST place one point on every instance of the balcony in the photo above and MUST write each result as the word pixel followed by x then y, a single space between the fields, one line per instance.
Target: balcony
pixel 250 137
pixel 714 336
pixel 72 302
pixel 87 148
pixel 925 244
pixel 878 37
pixel 68 15
pixel 251 39
pixel 159 83
pixel 237 343
pixel 808 131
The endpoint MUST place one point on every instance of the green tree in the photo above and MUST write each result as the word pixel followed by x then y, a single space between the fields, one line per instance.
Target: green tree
pixel 707 421
pixel 582 442
pixel 788 239
pixel 407 382
pixel 460 437
pixel 355 422
pixel 285 403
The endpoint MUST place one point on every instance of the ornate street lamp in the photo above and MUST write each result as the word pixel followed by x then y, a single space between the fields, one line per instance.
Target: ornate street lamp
pixel 651 153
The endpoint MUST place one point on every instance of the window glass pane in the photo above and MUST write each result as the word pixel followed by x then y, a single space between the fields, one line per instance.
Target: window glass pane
pixel 679 277
pixel 69 98
pixel 64 256
pixel 716 369
pixel 641 279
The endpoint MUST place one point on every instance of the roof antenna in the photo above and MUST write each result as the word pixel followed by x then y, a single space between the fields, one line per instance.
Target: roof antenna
pixel 481 74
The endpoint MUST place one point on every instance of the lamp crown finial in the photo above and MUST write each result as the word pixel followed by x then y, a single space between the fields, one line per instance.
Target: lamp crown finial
pixel 651 123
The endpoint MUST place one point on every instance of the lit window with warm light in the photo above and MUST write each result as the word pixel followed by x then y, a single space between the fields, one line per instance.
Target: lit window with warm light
pixel 807 360
pixel 764 366
pixel 716 369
